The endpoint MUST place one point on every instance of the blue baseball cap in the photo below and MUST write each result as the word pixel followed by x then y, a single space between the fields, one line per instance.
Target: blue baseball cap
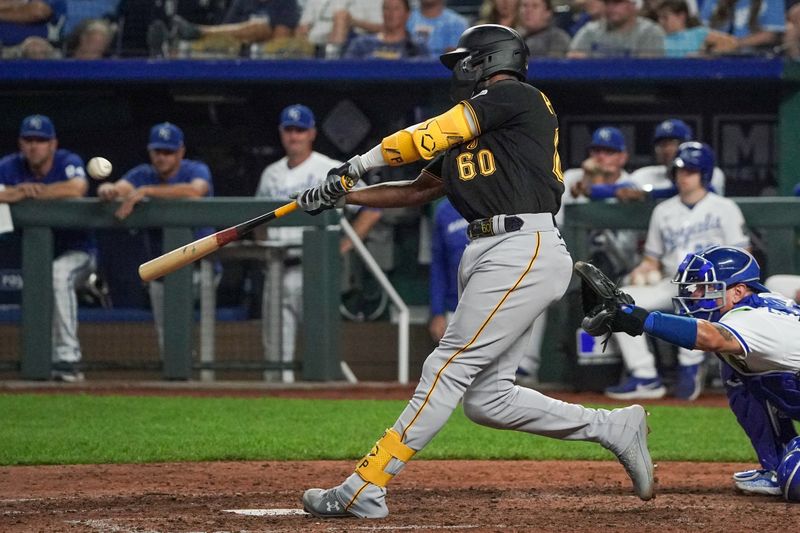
pixel 297 115
pixel 608 137
pixel 165 136
pixel 673 128
pixel 38 126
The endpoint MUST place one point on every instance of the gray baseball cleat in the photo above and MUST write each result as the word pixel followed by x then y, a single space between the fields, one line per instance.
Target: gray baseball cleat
pixel 324 504
pixel 636 457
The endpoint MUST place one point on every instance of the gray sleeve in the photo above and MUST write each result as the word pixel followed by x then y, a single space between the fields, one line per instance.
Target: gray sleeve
pixel 582 42
pixel 651 42
pixel 560 44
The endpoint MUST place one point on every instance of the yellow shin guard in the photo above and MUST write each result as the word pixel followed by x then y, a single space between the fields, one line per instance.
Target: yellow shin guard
pixel 371 467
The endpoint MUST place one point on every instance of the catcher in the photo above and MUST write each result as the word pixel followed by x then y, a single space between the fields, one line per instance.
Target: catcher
pixel 722 307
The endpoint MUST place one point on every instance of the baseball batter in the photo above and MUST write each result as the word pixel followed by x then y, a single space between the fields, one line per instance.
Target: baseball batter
pixel 689 222
pixel 495 155
pixel 755 333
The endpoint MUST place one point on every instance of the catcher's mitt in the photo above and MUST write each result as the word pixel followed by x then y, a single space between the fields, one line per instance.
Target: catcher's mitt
pixel 601 300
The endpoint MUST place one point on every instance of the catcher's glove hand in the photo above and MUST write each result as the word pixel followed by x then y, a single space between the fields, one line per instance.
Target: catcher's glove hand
pixel 601 305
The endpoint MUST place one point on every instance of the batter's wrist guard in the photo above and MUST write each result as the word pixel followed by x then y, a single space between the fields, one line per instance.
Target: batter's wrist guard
pixel 372 467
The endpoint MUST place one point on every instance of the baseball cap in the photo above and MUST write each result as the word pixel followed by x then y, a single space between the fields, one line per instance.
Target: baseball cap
pixel 608 137
pixel 297 115
pixel 165 136
pixel 673 128
pixel 38 126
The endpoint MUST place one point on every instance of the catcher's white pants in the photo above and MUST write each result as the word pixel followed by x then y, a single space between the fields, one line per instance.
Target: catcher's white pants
pixel 639 360
pixel 70 270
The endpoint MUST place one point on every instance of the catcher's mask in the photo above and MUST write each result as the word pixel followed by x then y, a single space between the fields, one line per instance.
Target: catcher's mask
pixel 704 278
pixel 483 51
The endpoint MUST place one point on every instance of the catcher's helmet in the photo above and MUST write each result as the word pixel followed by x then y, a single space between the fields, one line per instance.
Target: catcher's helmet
pixel 713 270
pixel 673 128
pixel 483 51
pixel 695 156
pixel 789 472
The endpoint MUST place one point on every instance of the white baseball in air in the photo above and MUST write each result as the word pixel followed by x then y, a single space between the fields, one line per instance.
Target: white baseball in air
pixel 99 168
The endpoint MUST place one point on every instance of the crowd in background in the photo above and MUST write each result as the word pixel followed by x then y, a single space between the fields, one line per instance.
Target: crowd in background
pixel 392 29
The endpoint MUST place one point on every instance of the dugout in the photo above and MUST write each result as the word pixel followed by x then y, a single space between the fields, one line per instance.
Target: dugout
pixel 743 107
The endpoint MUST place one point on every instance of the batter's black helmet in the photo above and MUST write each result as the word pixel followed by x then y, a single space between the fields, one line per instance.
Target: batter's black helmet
pixel 483 51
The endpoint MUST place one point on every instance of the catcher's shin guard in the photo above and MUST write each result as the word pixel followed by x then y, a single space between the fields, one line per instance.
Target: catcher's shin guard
pixel 372 467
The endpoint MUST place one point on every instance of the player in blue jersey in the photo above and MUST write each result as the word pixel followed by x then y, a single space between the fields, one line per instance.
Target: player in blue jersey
pixel 42 171
pixel 168 175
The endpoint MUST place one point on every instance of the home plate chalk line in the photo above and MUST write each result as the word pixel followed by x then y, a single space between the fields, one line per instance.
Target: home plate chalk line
pixel 267 512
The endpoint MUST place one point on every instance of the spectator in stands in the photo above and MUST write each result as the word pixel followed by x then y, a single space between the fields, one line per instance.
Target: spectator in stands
pixel 693 220
pixel 436 26
pixel 79 11
pixel 588 11
pixel 93 40
pixel 32 48
pixel 655 181
pixel 168 175
pixel 246 22
pixel 621 32
pixel 503 12
pixel 757 25
pixel 393 42
pixel 791 37
pixel 316 23
pixel 686 35
pixel 42 171
pixel 541 36
pixel 353 18
pixel 34 18
pixel 300 168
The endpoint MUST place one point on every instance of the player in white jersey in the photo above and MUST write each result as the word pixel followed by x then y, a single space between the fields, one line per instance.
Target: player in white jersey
pixel 300 169
pixel 756 334
pixel 691 221
pixel 654 180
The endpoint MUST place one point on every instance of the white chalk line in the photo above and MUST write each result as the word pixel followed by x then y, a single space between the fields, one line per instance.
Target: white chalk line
pixel 267 512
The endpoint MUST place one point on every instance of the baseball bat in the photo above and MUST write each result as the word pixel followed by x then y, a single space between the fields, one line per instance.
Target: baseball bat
pixel 189 253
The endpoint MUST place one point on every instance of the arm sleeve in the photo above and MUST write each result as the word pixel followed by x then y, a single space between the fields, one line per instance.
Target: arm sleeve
pixel 582 41
pixel 73 167
pixel 438 271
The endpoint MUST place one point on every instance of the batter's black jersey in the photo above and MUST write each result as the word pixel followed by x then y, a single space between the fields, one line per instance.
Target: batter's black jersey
pixel 513 165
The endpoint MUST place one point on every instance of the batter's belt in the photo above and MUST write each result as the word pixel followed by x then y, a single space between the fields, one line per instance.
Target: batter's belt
pixel 500 224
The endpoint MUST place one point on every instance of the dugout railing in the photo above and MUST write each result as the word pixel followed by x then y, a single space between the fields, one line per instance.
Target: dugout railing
pixel 320 276
pixel 776 219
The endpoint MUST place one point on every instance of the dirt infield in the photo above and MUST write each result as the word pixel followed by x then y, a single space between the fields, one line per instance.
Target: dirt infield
pixel 428 496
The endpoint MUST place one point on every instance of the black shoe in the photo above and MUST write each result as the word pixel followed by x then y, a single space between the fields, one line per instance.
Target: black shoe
pixel 185 30
pixel 66 372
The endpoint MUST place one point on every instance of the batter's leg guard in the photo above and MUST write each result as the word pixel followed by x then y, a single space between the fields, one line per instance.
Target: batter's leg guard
pixel 363 493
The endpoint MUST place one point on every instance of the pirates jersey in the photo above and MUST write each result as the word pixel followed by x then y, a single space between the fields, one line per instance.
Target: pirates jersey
pixel 513 165
pixel 767 328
